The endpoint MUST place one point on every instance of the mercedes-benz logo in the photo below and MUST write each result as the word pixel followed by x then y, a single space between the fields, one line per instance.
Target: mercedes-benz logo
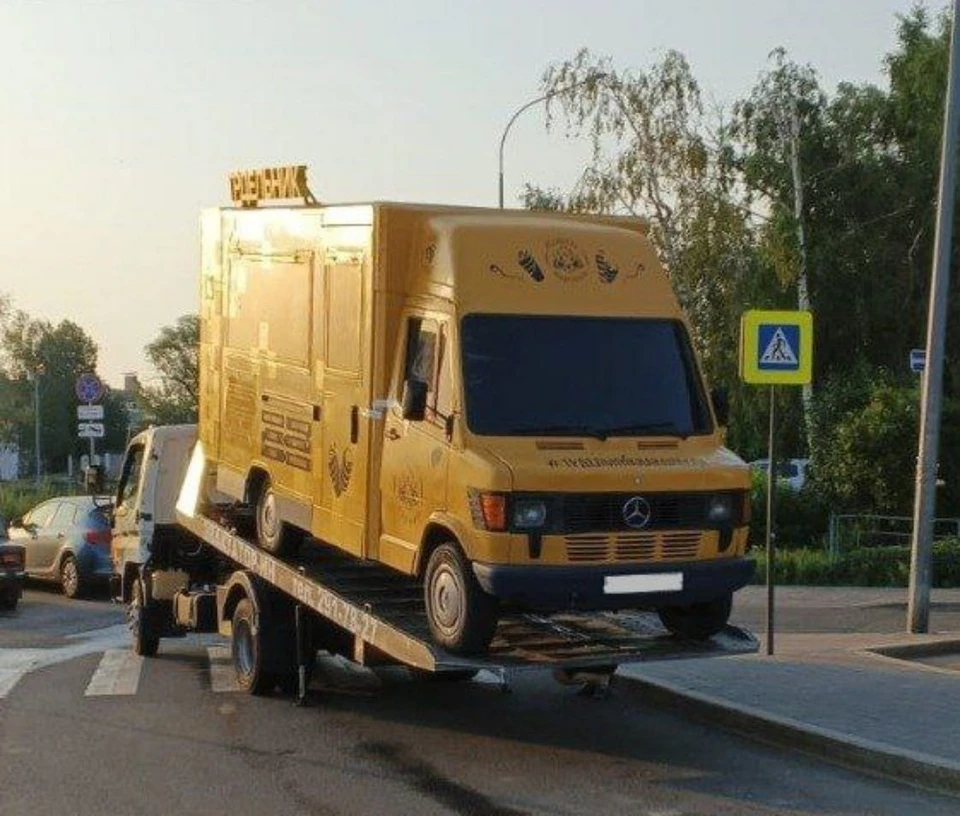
pixel 636 512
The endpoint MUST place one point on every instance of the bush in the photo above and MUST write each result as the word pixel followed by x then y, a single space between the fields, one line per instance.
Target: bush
pixel 801 517
pixel 873 566
pixel 16 498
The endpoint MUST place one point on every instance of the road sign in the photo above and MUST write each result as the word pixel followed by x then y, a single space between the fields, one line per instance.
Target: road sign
pixel 776 347
pixel 89 388
pixel 89 412
pixel 918 360
pixel 90 430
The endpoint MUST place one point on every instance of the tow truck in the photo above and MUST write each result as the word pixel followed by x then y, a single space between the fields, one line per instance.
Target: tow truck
pixel 186 561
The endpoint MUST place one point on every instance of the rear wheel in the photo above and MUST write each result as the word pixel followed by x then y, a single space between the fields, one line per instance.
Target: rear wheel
pixel 462 617
pixel 69 577
pixel 145 642
pixel 273 534
pixel 697 621
pixel 246 647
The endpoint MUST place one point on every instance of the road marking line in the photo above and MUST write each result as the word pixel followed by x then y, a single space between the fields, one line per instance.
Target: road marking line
pixel 117 674
pixel 8 679
pixel 223 677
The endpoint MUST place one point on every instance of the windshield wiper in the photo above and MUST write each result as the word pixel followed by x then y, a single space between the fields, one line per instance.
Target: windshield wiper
pixel 646 429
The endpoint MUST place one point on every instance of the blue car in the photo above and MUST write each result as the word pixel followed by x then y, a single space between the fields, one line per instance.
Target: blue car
pixel 67 540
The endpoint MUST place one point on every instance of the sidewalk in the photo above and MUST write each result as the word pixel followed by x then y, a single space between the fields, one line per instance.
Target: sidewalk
pixel 831 693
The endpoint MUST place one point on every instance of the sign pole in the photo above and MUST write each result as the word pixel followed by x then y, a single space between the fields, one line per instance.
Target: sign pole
pixel 771 493
pixel 924 505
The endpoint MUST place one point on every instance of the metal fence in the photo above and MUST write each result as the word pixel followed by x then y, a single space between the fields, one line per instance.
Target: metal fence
pixel 862 530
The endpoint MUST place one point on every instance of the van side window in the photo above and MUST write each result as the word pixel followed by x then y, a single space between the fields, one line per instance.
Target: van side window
pixel 420 363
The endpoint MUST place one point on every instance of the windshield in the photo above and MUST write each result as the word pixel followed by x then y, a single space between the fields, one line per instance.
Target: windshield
pixel 580 376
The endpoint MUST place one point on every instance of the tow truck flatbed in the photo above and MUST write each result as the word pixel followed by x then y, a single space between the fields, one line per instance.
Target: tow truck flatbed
pixel 384 611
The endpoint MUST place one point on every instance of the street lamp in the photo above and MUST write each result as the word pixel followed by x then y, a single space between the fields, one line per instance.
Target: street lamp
pixel 537 101
pixel 35 376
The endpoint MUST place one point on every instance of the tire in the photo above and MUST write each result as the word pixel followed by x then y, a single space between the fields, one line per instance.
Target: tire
pixel 462 617
pixel 9 599
pixel 144 642
pixel 70 577
pixel 697 621
pixel 274 535
pixel 246 648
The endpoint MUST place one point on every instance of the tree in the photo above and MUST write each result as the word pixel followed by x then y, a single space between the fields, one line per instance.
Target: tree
pixel 174 354
pixel 659 153
pixel 57 355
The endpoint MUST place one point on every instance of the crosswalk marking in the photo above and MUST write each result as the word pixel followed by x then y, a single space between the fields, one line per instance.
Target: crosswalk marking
pixel 117 674
pixel 8 679
pixel 223 678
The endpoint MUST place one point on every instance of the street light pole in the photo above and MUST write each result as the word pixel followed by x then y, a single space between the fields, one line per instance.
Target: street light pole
pixel 36 423
pixel 530 104
pixel 924 506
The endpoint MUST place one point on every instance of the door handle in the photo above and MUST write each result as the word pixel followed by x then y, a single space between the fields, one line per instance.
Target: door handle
pixel 393 433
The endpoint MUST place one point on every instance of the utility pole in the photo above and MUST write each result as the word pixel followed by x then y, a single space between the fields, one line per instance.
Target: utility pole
pixel 924 507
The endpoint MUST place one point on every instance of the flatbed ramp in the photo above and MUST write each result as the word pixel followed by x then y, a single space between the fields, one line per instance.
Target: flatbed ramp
pixel 385 612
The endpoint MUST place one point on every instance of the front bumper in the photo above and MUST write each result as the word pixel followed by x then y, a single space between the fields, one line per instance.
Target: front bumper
pixel 553 589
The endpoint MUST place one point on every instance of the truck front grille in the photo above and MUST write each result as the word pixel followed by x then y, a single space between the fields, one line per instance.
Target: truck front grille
pixel 597 548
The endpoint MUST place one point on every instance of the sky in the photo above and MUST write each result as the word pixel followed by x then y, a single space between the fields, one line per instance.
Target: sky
pixel 120 121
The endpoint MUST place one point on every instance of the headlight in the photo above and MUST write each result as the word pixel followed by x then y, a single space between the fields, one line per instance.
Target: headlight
pixel 720 510
pixel 528 515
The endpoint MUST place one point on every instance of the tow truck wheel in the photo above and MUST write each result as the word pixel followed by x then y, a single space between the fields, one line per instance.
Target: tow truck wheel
pixel 145 643
pixel 462 617
pixel 697 621
pixel 247 650
pixel 273 534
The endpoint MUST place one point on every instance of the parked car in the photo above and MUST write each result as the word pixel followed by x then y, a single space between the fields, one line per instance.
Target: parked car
pixel 67 539
pixel 790 472
pixel 11 570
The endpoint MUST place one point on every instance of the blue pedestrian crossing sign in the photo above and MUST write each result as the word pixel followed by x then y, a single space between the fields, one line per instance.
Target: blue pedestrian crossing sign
pixel 776 347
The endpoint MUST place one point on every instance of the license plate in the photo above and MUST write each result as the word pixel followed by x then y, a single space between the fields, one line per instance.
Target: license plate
pixel 656 582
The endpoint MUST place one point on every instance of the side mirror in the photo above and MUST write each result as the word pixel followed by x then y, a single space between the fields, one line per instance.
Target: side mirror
pixel 414 400
pixel 721 406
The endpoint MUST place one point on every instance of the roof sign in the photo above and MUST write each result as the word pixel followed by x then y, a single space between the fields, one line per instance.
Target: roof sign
pixel 249 187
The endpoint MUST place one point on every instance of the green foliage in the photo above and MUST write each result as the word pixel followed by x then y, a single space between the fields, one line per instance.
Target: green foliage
pixel 873 567
pixel 16 498
pixel 801 517
pixel 174 354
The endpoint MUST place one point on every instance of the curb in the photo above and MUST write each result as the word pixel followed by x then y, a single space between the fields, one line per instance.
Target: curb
pixel 878 758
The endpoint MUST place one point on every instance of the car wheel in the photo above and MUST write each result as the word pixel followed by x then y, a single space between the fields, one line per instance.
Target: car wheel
pixel 462 617
pixel 273 534
pixel 69 577
pixel 697 621
pixel 246 647
pixel 145 643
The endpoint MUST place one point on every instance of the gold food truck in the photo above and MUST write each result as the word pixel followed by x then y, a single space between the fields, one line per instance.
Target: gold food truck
pixel 505 405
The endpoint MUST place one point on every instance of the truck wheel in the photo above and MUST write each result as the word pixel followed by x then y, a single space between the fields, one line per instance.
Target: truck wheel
pixel 145 643
pixel 462 617
pixel 69 577
pixel 697 621
pixel 246 647
pixel 8 600
pixel 273 534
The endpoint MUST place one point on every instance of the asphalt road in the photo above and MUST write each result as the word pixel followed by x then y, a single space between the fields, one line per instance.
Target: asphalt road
pixel 386 745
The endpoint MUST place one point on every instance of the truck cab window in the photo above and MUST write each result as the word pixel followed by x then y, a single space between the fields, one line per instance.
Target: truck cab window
pixel 130 477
